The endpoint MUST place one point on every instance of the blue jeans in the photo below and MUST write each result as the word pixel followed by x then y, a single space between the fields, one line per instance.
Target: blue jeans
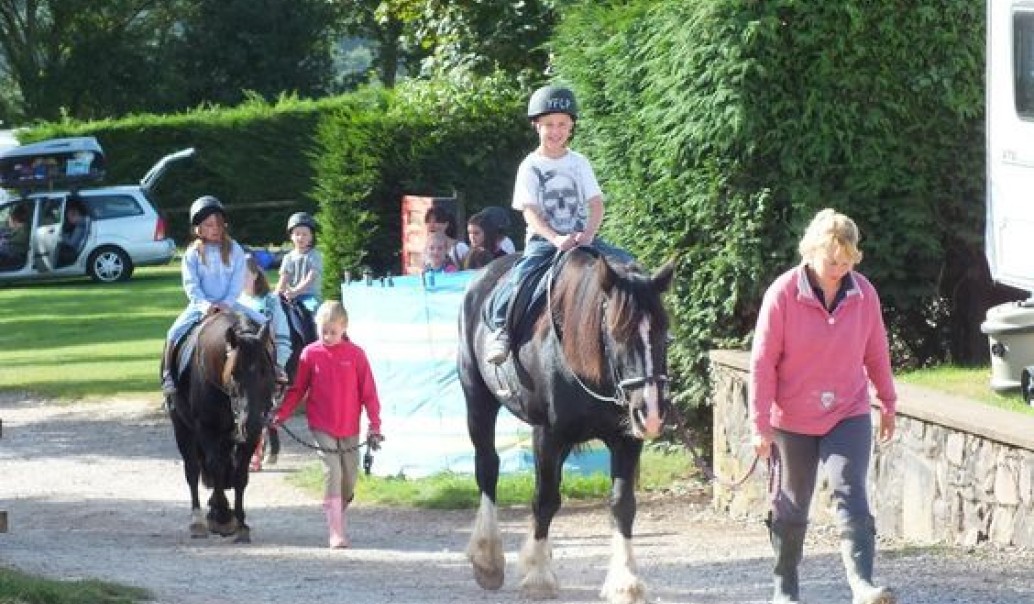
pixel 537 252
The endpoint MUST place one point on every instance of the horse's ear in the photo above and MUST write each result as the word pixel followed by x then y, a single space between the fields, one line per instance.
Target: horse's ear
pixel 605 274
pixel 664 275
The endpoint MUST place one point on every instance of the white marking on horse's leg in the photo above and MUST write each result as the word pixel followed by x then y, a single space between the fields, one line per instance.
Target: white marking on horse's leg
pixel 652 391
pixel 536 564
pixel 198 524
pixel 485 550
pixel 622 585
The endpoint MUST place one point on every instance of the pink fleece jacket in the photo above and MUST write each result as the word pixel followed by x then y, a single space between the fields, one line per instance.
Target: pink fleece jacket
pixel 810 368
pixel 340 384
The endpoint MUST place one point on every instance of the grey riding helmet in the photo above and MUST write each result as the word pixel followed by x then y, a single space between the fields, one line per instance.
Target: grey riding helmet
pixel 301 219
pixel 552 99
pixel 203 207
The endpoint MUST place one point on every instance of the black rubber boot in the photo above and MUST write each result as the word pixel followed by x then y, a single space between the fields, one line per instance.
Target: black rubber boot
pixel 858 548
pixel 788 545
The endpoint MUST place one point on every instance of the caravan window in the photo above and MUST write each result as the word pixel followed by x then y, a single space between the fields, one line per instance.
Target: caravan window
pixel 1023 63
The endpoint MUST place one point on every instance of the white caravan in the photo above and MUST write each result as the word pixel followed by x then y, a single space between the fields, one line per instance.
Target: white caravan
pixel 1010 189
pixel 1010 142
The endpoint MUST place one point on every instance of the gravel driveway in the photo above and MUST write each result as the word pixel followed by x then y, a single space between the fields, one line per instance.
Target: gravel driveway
pixel 96 491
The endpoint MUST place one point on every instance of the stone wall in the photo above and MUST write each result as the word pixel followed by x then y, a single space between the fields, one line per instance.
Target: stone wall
pixel 957 471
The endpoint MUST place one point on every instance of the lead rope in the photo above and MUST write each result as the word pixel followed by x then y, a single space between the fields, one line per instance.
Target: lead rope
pixel 690 443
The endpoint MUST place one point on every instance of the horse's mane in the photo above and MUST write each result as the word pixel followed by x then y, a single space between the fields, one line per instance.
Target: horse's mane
pixel 212 344
pixel 588 291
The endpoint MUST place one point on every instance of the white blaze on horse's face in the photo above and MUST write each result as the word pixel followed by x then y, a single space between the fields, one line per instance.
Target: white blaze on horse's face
pixel 652 390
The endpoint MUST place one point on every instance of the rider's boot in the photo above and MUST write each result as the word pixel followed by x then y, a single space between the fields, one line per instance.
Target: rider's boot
pixel 168 383
pixel 498 347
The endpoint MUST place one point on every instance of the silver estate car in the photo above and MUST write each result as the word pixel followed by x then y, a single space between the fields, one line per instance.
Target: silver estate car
pixel 102 232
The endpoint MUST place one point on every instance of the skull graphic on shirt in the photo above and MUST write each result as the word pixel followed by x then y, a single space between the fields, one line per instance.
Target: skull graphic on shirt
pixel 562 203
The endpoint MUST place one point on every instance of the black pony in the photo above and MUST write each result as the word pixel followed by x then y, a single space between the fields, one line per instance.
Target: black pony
pixel 222 398
pixel 592 366
pixel 303 332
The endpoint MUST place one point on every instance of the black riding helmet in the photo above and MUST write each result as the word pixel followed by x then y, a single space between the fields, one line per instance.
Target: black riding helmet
pixel 203 207
pixel 301 219
pixel 552 99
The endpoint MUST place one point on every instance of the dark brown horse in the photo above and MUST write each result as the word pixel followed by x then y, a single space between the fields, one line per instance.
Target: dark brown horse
pixel 223 396
pixel 593 366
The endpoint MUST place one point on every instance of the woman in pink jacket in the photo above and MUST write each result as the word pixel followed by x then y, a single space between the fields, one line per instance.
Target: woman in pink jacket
pixel 818 344
pixel 336 376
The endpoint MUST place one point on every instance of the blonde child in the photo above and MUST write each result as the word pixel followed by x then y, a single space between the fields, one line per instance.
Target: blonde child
pixel 213 276
pixel 301 271
pixel 335 375
pixel 436 254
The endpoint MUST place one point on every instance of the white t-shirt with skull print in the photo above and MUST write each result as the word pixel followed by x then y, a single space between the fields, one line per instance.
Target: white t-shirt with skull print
pixel 561 188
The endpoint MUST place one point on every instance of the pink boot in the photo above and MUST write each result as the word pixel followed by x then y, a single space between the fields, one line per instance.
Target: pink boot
pixel 335 522
pixel 256 457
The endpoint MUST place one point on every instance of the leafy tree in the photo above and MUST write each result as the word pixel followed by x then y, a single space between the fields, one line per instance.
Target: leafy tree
pixel 484 37
pixel 264 46
pixel 438 36
pixel 83 57
pixel 384 24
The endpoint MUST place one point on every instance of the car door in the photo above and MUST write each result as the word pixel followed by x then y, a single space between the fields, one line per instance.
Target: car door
pixel 48 231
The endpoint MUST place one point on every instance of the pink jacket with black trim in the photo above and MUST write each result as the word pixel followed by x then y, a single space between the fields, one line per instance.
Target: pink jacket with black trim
pixel 810 368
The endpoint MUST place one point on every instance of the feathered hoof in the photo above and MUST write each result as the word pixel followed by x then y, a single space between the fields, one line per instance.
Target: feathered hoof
pixel 540 585
pixel 198 530
pixel 488 578
pixel 628 590
pixel 876 595
pixel 243 535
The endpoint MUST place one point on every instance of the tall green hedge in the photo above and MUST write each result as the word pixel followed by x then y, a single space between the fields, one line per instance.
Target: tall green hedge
pixel 720 127
pixel 458 136
pixel 257 158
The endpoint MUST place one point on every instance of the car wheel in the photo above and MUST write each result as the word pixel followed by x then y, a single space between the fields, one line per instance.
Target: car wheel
pixel 108 265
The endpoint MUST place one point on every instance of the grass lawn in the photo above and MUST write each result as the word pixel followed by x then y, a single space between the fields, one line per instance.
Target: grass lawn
pixel 19 588
pixel 660 469
pixel 968 382
pixel 76 339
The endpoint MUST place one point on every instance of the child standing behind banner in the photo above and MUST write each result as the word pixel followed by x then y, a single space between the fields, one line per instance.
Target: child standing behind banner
pixel 335 375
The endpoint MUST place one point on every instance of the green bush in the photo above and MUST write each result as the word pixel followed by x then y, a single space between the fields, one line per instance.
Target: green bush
pixel 438 138
pixel 720 128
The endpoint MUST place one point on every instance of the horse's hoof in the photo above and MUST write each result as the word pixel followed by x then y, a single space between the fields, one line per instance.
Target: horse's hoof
pixel 626 590
pixel 223 529
pixel 487 578
pixel 540 588
pixel 243 536
pixel 198 531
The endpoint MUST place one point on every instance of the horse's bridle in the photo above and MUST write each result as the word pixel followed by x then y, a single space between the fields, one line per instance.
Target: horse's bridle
pixel 232 389
pixel 621 386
